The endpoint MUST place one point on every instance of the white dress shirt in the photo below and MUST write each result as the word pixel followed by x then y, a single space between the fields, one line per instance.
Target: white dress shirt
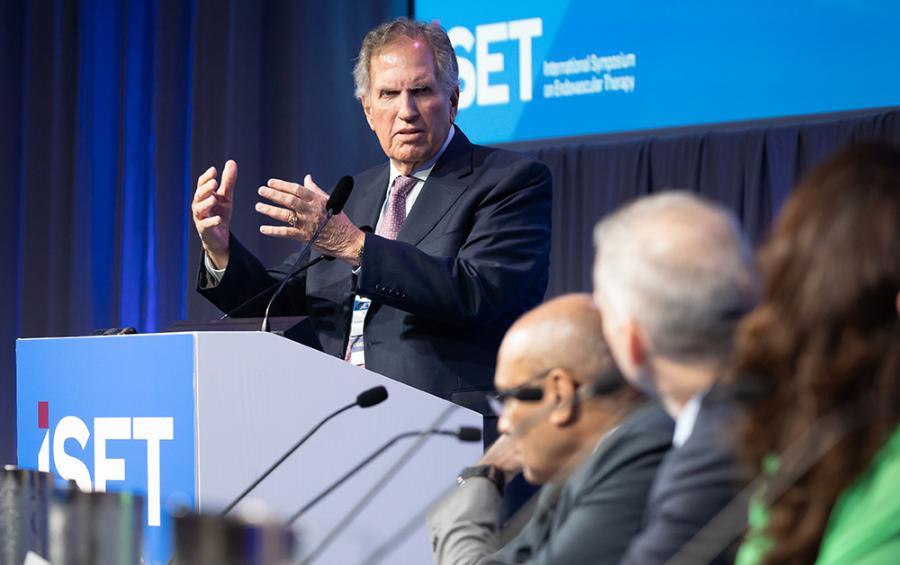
pixel 684 424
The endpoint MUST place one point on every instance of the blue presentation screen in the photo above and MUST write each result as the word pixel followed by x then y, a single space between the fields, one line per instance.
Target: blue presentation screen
pixel 534 70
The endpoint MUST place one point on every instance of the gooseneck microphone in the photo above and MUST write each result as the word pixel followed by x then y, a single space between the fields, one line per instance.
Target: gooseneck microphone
pixel 297 269
pixel 464 434
pixel 379 484
pixel 333 206
pixel 371 397
pixel 365 399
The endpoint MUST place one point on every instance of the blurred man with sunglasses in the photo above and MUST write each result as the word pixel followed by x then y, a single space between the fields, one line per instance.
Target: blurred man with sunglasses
pixel 568 422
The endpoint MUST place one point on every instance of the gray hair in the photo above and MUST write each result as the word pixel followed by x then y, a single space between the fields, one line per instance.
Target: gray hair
pixel 446 69
pixel 680 266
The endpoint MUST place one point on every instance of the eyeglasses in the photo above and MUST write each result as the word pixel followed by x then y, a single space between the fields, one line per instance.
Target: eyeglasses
pixel 526 392
pixel 607 383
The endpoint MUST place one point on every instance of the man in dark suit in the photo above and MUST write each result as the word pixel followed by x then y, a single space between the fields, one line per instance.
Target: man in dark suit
pixel 673 276
pixel 461 242
pixel 596 454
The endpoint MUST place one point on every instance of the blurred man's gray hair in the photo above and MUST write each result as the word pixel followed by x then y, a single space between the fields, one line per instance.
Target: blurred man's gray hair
pixel 446 68
pixel 680 266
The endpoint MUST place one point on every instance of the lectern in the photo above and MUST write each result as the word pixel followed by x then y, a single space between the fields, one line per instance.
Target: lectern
pixel 190 419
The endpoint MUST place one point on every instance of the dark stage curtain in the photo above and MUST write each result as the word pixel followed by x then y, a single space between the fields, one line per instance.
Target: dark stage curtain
pixel 108 113
pixel 750 170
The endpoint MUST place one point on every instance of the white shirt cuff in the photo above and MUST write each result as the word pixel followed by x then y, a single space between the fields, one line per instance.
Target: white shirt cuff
pixel 213 274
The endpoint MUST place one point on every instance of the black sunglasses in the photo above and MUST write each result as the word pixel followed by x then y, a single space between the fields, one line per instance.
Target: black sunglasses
pixel 526 392
pixel 606 384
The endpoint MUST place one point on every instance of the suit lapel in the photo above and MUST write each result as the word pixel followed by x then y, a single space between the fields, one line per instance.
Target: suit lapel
pixel 367 199
pixel 444 186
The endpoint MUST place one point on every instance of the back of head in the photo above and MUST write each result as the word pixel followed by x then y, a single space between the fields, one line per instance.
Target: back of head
pixel 826 335
pixel 680 267
pixel 446 66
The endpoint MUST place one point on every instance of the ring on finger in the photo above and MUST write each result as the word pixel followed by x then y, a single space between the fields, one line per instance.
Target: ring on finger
pixel 293 220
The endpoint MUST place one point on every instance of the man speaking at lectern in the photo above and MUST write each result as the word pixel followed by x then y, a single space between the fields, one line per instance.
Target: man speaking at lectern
pixel 461 238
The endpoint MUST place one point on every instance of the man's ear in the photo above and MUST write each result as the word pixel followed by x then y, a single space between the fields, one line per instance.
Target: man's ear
pixel 562 393
pixel 454 104
pixel 366 102
pixel 637 346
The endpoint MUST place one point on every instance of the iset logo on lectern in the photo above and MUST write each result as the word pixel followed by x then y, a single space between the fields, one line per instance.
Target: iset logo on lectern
pixel 69 466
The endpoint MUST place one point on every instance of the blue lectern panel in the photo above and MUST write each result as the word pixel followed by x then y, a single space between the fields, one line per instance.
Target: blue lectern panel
pixel 112 413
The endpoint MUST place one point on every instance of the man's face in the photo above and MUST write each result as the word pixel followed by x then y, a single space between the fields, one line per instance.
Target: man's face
pixel 407 109
pixel 538 441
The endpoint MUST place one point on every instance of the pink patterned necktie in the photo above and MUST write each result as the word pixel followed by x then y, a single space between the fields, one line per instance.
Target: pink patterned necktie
pixel 389 227
pixel 395 213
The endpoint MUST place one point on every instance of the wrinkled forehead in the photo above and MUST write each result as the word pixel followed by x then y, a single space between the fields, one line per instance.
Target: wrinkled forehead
pixel 412 55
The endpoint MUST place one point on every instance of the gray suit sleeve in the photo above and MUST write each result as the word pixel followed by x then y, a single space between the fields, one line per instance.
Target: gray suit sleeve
pixel 463 528
pixel 604 515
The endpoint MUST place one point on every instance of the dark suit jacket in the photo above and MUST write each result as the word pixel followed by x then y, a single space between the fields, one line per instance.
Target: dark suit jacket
pixel 472 256
pixel 589 519
pixel 695 482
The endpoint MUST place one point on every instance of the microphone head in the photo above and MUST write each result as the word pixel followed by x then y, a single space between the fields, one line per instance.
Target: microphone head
pixel 339 195
pixel 371 397
pixel 468 434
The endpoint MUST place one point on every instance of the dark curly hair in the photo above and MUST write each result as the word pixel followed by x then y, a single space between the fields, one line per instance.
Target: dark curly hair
pixel 825 338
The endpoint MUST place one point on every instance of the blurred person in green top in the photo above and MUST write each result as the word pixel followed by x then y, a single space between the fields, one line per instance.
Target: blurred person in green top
pixel 824 343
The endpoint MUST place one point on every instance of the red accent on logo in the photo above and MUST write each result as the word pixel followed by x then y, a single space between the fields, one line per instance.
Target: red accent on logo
pixel 43 415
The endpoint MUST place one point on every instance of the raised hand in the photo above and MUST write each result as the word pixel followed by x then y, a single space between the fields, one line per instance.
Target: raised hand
pixel 302 207
pixel 504 456
pixel 211 210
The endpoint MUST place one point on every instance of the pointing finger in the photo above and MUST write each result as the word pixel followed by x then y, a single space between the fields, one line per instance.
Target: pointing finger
pixel 284 198
pixel 229 178
pixel 291 188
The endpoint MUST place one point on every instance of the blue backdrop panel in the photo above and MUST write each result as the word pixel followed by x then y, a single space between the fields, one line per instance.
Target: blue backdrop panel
pixel 131 378
pixel 578 67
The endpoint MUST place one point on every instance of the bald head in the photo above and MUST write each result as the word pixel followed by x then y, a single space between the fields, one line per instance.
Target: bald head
pixel 565 332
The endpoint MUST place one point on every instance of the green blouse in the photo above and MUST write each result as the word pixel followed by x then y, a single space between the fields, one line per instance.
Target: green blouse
pixel 864 526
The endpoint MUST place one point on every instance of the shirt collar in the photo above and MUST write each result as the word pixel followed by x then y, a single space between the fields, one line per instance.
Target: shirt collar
pixel 684 424
pixel 425 168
